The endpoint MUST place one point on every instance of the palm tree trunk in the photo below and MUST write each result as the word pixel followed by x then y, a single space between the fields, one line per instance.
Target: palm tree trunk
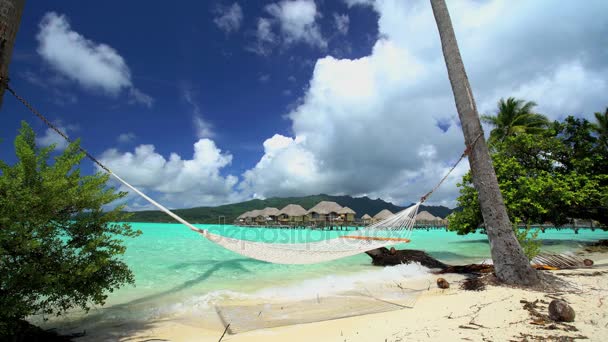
pixel 511 265
pixel 9 22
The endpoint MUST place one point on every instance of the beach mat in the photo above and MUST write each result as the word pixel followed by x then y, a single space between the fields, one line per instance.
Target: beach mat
pixel 244 318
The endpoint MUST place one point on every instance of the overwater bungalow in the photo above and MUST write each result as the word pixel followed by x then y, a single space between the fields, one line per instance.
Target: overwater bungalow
pixel 241 219
pixel 254 216
pixel 425 217
pixel 270 215
pixel 292 214
pixel 347 215
pixel 382 215
pixel 366 219
pixel 324 211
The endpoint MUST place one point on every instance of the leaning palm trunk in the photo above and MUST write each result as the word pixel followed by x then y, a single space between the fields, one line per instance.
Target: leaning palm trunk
pixel 511 265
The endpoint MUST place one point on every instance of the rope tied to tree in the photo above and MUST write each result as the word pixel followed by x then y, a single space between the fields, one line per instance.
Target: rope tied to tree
pixel 4 82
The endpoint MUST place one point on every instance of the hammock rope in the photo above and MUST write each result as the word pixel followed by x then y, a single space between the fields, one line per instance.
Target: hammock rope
pixel 394 229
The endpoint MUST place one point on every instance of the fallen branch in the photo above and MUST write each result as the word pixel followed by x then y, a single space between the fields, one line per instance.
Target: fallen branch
pixel 467 327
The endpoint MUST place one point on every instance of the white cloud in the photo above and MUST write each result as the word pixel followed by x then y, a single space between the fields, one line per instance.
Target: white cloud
pixel 341 22
pixel 51 137
pixel 297 19
pixel 372 125
pixel 265 38
pixel 125 138
pixel 285 166
pixel 94 66
pixel 385 125
pixel 203 128
pixel 137 96
pixel 297 23
pixel 180 182
pixel 229 19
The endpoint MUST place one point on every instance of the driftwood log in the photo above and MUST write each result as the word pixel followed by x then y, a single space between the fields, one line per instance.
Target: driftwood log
pixel 389 257
pixel 385 257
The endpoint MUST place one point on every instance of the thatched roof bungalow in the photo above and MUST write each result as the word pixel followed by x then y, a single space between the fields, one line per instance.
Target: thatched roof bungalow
pixel 270 214
pixel 293 210
pixel 324 210
pixel 346 210
pixel 254 213
pixel 384 214
pixel 243 217
pixel 347 214
pixel 426 216
pixel 292 213
pixel 366 219
pixel 249 216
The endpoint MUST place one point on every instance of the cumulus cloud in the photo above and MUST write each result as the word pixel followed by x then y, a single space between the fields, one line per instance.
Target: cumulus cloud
pixel 229 18
pixel 95 66
pixel 180 182
pixel 296 21
pixel 386 124
pixel 341 22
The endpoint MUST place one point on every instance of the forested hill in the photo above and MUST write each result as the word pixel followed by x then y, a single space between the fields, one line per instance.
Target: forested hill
pixel 361 205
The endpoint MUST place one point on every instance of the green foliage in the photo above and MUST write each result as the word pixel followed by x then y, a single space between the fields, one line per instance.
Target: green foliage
pixel 361 205
pixel 551 176
pixel 49 262
pixel 528 240
pixel 601 126
pixel 514 116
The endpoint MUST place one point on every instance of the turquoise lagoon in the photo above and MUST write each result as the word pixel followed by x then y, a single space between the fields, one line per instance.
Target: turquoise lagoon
pixel 177 271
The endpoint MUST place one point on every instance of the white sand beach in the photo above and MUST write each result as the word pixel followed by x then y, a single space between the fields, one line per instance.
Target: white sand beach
pixel 494 314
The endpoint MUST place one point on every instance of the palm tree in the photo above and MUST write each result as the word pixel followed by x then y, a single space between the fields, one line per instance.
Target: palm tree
pixel 601 126
pixel 510 264
pixel 515 116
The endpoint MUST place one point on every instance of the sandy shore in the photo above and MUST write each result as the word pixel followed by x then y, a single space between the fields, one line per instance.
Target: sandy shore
pixel 494 314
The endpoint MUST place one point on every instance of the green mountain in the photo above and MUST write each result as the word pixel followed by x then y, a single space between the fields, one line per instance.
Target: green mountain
pixel 361 205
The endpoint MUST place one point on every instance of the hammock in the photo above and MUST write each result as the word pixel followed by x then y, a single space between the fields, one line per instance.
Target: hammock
pixel 394 229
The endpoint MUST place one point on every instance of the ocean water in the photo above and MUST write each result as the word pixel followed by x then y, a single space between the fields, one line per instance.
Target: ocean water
pixel 177 270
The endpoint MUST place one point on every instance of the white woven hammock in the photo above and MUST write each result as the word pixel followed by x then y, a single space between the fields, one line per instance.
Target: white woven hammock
pixel 392 230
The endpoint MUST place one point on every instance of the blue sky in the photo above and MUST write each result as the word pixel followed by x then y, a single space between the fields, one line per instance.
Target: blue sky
pixel 213 102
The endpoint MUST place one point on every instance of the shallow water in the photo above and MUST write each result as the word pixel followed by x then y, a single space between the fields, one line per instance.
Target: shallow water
pixel 176 270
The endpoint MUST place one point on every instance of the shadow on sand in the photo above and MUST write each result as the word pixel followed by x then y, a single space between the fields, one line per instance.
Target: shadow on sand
pixel 116 322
